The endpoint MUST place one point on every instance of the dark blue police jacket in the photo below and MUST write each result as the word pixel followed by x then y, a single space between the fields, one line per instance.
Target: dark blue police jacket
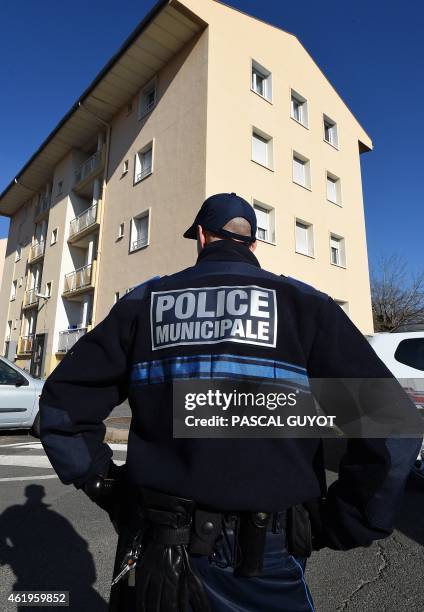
pixel 153 335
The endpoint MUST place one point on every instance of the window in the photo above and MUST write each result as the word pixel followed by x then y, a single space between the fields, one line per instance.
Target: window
pixel 8 375
pixel 13 290
pixel 411 353
pixel 147 99
pixel 343 305
pixel 299 108
pixel 301 170
pixel 333 189
pixel 330 132
pixel 121 231
pixel 125 167
pixel 59 188
pixel 18 253
pixel 143 163
pixel 116 296
pixel 20 281
pixel 48 291
pixel 8 331
pixel 53 237
pixel 304 238
pixel 337 250
pixel 262 149
pixel 139 231
pixel 265 222
pixel 261 81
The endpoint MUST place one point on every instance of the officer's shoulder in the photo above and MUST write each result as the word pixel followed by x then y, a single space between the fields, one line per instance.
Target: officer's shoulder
pixel 304 289
pixel 139 291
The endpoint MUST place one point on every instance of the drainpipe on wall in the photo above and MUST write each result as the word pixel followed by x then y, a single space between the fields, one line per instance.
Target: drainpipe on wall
pixel 102 207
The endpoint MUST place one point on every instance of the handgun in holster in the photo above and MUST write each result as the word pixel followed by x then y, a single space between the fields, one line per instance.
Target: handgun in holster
pixel 249 543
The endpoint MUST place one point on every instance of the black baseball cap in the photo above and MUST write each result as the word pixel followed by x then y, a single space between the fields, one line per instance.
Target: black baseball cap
pixel 217 210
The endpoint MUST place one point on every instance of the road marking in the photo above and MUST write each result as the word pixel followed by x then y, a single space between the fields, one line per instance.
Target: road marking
pixel 16 478
pixel 38 445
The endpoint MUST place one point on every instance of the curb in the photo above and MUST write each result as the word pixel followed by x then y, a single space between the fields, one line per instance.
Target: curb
pixel 113 434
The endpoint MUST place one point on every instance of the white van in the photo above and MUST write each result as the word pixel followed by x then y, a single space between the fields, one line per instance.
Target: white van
pixel 403 354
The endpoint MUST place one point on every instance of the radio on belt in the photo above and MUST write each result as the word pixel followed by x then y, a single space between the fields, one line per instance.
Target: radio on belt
pixel 245 314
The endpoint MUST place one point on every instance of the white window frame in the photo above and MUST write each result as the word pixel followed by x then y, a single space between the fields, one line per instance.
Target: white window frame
pixel 121 231
pixel 307 170
pixel 143 108
pixel 54 235
pixel 259 205
pixel 13 290
pixel 132 240
pixel 303 103
pixel 334 141
pixel 257 69
pixel 330 177
pixel 310 237
pixel 342 250
pixel 344 305
pixel 116 298
pixel 125 167
pixel 18 253
pixel 269 143
pixel 149 146
pixel 47 291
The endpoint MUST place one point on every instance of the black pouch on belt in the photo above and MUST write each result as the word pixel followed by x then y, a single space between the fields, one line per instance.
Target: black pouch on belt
pixel 298 531
pixel 249 543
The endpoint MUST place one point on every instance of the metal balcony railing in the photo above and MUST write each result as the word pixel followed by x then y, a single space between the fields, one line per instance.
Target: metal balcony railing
pixel 43 204
pixel 90 166
pixel 85 219
pixel 25 344
pixel 69 337
pixel 138 244
pixel 143 173
pixel 30 299
pixel 78 279
pixel 36 250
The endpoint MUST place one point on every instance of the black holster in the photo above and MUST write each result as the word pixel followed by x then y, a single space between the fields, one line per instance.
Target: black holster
pixel 249 543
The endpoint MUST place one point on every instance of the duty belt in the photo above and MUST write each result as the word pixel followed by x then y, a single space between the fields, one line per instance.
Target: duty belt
pixel 171 529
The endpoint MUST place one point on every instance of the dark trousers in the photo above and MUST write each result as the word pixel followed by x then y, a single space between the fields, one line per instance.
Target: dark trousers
pixel 280 588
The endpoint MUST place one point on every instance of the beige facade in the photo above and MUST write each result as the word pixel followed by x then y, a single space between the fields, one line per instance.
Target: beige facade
pixel 3 244
pixel 179 114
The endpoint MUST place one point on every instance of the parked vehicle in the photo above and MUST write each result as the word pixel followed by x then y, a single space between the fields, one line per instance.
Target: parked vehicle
pixel 19 395
pixel 403 354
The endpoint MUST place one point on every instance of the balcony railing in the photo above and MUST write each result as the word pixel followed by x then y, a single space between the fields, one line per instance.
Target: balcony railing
pixel 78 279
pixel 143 173
pixel 30 299
pixel 90 166
pixel 138 244
pixel 84 220
pixel 25 344
pixel 37 250
pixel 43 204
pixel 69 337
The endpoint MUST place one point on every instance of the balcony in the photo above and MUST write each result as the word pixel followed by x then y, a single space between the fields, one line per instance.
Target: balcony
pixel 30 299
pixel 79 281
pixel 42 206
pixel 84 223
pixel 25 345
pixel 89 170
pixel 69 337
pixel 36 251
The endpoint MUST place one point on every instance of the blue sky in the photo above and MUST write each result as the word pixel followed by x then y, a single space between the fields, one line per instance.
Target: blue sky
pixel 373 53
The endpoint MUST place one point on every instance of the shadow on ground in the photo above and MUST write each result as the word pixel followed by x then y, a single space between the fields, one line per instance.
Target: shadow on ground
pixel 46 553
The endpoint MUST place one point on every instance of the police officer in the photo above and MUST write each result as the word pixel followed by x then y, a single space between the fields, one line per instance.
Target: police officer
pixel 218 524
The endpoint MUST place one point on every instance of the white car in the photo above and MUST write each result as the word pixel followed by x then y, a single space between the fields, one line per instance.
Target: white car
pixel 19 395
pixel 403 354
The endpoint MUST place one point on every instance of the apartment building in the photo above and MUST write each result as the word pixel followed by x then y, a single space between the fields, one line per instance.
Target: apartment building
pixel 3 244
pixel 182 111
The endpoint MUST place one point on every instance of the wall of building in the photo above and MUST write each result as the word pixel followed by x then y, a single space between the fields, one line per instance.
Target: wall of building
pixel 3 245
pixel 173 192
pixel 233 109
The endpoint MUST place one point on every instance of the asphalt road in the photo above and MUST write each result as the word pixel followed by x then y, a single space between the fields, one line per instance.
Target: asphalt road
pixel 53 537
